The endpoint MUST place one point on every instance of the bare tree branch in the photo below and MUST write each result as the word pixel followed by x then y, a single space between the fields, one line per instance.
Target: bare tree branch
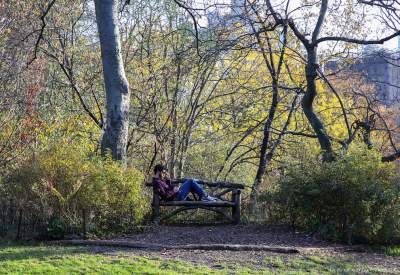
pixel 40 37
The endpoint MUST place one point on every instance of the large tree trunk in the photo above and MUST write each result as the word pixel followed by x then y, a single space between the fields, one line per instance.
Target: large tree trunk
pixel 183 154
pixel 174 114
pixel 307 105
pixel 172 157
pixel 264 157
pixel 115 130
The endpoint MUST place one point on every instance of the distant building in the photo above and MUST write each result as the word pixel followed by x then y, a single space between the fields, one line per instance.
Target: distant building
pixel 378 66
pixel 235 13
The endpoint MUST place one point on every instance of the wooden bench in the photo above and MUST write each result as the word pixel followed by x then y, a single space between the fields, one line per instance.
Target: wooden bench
pixel 224 189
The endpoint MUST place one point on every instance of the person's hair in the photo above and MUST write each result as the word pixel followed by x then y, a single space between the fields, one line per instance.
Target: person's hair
pixel 159 168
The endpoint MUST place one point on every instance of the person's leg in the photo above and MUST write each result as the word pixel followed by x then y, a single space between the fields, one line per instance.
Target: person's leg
pixel 183 190
pixel 190 185
pixel 197 189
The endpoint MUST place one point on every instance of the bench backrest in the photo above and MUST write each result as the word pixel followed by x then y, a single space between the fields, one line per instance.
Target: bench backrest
pixel 218 184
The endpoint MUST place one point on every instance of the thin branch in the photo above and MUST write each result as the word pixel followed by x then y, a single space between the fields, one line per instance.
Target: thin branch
pixel 188 10
pixel 357 41
pixel 40 37
pixel 321 18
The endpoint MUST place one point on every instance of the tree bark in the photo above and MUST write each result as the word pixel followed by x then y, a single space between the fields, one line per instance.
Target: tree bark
pixel 174 118
pixel 264 157
pixel 115 130
pixel 307 104
pixel 172 160
pixel 183 153
pixel 311 91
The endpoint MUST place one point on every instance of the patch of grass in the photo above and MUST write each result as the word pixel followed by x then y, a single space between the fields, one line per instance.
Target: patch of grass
pixel 387 250
pixel 75 260
pixel 274 262
pixel 41 259
pixel 392 251
pixel 322 265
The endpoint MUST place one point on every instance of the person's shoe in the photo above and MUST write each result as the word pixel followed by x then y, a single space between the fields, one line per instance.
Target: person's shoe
pixel 208 198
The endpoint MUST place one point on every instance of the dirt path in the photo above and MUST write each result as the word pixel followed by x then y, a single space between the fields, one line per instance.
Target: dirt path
pixel 278 236
pixel 227 234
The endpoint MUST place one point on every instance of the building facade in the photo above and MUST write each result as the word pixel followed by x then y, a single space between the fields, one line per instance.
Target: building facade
pixel 379 67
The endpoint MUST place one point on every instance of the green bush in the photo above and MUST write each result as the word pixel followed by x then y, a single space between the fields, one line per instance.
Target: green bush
pixel 57 228
pixel 63 182
pixel 356 198
pixel 113 195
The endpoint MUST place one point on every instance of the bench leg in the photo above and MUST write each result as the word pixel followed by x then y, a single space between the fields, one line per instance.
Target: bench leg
pixel 156 208
pixel 236 208
pixel 156 215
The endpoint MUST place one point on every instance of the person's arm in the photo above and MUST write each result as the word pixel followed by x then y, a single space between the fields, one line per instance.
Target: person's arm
pixel 167 177
pixel 168 180
pixel 160 186
pixel 171 186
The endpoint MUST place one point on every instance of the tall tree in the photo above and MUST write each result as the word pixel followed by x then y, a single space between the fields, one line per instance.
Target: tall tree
pixel 311 43
pixel 115 130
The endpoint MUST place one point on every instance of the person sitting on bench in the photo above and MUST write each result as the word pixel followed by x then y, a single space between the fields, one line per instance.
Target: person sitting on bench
pixel 168 192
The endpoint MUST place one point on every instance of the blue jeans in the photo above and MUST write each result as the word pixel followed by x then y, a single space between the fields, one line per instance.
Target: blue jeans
pixel 188 186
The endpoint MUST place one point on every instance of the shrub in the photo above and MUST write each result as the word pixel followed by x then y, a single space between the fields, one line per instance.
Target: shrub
pixel 113 195
pixel 355 198
pixel 61 183
pixel 58 228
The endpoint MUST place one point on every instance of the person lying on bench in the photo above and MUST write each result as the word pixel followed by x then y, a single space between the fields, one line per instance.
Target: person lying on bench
pixel 168 192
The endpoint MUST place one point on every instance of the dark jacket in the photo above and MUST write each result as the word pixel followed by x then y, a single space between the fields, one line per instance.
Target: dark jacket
pixel 166 190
